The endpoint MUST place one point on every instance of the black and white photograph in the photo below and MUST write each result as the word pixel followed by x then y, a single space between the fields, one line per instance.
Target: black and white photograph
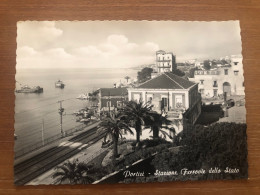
pixel 103 102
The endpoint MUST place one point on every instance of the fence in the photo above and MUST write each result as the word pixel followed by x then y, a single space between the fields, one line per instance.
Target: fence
pixel 50 140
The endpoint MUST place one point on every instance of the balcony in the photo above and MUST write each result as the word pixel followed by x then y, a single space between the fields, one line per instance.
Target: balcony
pixel 206 72
pixel 165 60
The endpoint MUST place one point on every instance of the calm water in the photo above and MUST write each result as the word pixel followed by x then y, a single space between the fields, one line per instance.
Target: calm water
pixel 32 109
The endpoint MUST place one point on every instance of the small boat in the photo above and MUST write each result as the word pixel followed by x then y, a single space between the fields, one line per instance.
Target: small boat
pixel 83 97
pixel 84 120
pixel 81 112
pixel 27 89
pixel 59 84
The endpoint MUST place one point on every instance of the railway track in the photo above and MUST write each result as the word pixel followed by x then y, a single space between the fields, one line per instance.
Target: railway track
pixel 35 166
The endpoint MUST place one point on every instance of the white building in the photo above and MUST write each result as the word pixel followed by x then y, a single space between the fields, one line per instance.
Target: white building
pixel 199 64
pixel 172 94
pixel 165 61
pixel 227 78
pixel 191 61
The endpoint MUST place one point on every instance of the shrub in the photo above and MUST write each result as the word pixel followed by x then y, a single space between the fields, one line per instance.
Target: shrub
pixel 220 145
pixel 143 153
pixel 178 72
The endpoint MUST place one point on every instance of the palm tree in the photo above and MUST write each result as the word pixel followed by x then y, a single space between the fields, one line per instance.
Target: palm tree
pixel 159 123
pixel 74 173
pixel 127 78
pixel 114 124
pixel 138 113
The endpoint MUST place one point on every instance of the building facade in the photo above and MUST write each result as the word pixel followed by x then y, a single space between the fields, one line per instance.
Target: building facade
pixel 165 61
pixel 170 94
pixel 111 98
pixel 227 78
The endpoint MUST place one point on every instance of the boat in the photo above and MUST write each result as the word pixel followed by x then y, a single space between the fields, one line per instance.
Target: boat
pixel 85 120
pixel 27 89
pixel 81 112
pixel 83 97
pixel 59 84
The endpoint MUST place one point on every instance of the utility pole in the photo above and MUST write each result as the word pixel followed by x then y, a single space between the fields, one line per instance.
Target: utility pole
pixel 109 101
pixel 43 131
pixel 61 110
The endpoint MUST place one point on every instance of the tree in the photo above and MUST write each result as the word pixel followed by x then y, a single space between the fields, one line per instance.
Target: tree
pixel 223 62
pixel 144 74
pixel 158 124
pixel 113 124
pixel 206 64
pixel 74 173
pixel 214 62
pixel 178 72
pixel 137 113
pixel 192 71
pixel 127 78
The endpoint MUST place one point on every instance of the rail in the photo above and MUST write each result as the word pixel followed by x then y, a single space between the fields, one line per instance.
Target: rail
pixel 33 147
pixel 49 161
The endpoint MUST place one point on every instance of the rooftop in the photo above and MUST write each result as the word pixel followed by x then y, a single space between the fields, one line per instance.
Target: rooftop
pixel 113 91
pixel 167 80
pixel 163 52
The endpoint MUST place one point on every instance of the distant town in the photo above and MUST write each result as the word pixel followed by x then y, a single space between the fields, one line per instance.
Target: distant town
pixel 172 87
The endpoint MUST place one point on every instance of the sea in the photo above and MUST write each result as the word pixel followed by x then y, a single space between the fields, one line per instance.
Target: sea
pixel 36 115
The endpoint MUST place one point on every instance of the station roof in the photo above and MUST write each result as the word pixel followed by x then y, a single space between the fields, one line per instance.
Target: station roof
pixel 167 80
pixel 113 91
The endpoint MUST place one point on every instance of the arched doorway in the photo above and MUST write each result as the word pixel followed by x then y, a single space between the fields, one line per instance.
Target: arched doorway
pixel 227 88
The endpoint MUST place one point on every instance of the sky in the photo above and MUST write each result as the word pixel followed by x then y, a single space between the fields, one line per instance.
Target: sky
pixel 121 44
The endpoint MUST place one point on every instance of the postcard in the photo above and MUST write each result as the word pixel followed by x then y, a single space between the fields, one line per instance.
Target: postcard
pixel 129 102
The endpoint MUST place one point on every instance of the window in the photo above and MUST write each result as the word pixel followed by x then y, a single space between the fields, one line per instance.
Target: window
pixel 108 103
pixel 226 71
pixel 236 72
pixel 235 63
pixel 202 82
pixel 137 97
pixel 215 84
pixel 178 101
pixel 119 104
pixel 149 98
pixel 164 102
